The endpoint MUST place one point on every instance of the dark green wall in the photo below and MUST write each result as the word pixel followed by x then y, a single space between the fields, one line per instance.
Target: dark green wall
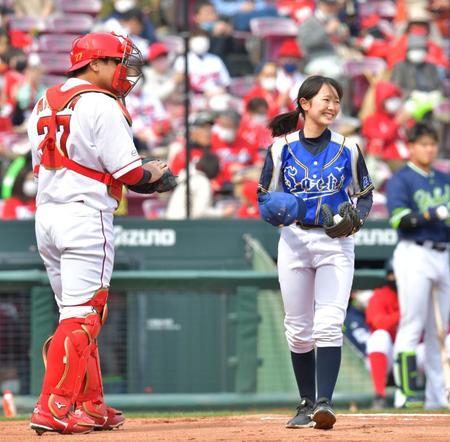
pixel 205 244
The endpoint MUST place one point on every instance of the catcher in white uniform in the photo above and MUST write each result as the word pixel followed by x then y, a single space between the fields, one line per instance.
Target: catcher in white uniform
pixel 83 153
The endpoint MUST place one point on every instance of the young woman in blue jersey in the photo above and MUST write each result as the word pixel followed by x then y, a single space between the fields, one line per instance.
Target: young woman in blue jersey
pixel 317 166
pixel 418 199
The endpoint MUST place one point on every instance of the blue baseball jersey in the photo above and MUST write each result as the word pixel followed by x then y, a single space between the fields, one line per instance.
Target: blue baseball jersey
pixel 334 175
pixel 411 190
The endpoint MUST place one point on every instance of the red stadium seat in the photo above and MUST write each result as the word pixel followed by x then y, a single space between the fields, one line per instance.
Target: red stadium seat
pixel 154 208
pixel 272 31
pixel 240 86
pixel 273 26
pixel 69 24
pixel 56 42
pixel 372 65
pixel 52 79
pixel 174 43
pixel 54 62
pixel 357 70
pixel 26 24
pixel 382 8
pixel 91 7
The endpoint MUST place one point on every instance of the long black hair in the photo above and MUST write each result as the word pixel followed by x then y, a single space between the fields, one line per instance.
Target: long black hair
pixel 287 122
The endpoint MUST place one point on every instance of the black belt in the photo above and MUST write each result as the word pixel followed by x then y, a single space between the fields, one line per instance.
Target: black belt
pixel 308 226
pixel 439 246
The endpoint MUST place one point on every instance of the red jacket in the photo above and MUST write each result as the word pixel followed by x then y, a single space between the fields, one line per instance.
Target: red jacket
pixel 398 49
pixel 383 311
pixel 272 100
pixel 382 132
pixel 255 137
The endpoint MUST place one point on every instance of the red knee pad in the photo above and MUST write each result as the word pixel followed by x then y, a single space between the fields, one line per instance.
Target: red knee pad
pixel 99 301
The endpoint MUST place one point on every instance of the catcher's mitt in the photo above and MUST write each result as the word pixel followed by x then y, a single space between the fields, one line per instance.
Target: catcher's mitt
pixel 352 211
pixel 346 226
pixel 167 182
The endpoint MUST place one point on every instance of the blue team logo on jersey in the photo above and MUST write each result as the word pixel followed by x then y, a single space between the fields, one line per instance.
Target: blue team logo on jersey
pixel 327 184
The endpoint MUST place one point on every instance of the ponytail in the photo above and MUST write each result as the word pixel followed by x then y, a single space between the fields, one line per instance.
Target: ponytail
pixel 284 123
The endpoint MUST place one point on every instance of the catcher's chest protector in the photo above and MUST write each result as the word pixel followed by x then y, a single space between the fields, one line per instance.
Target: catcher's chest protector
pixel 52 155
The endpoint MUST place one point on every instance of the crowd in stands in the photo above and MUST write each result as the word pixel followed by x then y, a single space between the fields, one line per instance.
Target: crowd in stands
pixel 246 61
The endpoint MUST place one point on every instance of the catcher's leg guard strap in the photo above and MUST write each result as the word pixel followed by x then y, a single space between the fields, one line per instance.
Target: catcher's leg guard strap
pixel 405 373
pixel 93 387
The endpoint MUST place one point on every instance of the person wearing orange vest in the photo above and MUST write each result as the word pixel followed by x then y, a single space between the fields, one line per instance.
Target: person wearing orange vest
pixel 83 153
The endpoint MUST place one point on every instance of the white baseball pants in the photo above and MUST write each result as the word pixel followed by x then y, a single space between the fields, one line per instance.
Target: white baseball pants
pixel 315 275
pixel 76 243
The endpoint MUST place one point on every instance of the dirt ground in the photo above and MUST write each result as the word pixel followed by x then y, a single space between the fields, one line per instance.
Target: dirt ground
pixel 252 428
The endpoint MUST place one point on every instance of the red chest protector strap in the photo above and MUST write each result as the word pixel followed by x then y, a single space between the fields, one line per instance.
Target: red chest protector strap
pixel 52 155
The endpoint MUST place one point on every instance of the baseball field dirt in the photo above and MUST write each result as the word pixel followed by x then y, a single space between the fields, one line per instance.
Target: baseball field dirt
pixel 255 427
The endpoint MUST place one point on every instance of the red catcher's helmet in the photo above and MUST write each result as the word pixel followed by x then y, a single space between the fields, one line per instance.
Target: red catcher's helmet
pixel 109 45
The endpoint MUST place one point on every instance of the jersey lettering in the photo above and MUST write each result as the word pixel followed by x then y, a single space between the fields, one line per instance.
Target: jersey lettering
pixel 425 199
pixel 61 121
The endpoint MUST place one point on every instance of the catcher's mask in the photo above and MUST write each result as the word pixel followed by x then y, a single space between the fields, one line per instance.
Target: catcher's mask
pixel 101 45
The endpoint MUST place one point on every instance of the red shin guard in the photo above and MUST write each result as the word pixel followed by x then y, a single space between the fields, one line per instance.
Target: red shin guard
pixel 91 395
pixel 66 362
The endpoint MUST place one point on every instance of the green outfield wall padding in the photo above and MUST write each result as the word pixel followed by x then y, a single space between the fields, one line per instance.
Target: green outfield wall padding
pixel 41 327
pixel 274 371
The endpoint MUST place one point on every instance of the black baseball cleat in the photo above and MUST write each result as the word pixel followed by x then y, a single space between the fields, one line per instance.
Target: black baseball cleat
pixel 303 417
pixel 323 414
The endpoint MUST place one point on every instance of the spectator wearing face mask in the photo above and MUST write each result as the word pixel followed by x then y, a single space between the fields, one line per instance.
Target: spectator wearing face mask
pixel 225 144
pixel 253 133
pixel 289 77
pixel 419 27
pixel 207 72
pixel 383 129
pixel 222 42
pixel 266 87
pixel 416 73
pixel 159 74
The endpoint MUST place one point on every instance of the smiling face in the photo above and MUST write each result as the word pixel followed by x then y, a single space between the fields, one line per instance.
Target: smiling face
pixel 323 108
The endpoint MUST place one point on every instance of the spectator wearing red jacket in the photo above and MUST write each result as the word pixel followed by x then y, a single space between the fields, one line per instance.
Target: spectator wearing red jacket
pixel 253 133
pixel 225 144
pixel 266 88
pixel 382 317
pixel 435 54
pixel 383 129
pixel 200 141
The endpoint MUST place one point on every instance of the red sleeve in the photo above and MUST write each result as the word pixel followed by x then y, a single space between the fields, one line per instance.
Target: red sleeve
pixel 133 176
